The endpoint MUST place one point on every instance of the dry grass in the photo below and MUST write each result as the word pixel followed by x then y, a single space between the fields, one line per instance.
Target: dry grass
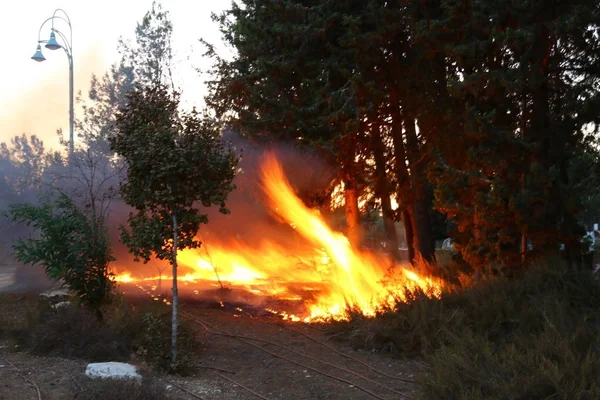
pixel 531 337
pixel 141 331
pixel 115 389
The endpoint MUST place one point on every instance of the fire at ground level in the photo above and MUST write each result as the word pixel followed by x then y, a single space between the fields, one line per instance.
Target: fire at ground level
pixel 288 301
pixel 323 273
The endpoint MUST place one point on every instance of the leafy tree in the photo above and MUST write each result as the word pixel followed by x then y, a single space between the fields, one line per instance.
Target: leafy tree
pixel 522 88
pixel 150 57
pixel 327 75
pixel 145 61
pixel 287 83
pixel 175 162
pixel 23 164
pixel 72 247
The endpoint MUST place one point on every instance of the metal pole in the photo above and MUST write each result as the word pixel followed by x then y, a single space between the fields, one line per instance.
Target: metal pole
pixel 71 110
pixel 67 46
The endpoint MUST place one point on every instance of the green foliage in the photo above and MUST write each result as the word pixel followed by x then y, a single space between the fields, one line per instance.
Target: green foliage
pixel 515 122
pixel 550 364
pixel 502 98
pixel 154 344
pixel 71 246
pixel 153 46
pixel 173 162
pixel 140 330
pixel 531 337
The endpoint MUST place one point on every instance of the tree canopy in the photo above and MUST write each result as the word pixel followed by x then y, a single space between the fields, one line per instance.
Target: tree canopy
pixel 486 103
pixel 176 163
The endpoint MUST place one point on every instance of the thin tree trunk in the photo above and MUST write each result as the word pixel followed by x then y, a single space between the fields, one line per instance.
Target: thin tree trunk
pixel 401 171
pixel 352 211
pixel 424 242
pixel 523 249
pixel 410 234
pixel 381 184
pixel 174 324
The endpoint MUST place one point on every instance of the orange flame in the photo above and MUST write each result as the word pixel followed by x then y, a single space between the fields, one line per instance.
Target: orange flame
pixel 332 271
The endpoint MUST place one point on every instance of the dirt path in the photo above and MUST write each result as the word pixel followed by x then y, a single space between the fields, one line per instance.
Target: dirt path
pixel 242 357
pixel 292 361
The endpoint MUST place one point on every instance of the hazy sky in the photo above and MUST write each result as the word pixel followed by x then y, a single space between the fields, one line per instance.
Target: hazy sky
pixel 34 96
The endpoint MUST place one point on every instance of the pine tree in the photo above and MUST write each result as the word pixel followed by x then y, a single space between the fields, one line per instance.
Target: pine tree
pixel 516 118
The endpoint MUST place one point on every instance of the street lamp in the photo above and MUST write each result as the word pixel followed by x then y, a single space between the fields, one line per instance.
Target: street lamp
pixel 67 46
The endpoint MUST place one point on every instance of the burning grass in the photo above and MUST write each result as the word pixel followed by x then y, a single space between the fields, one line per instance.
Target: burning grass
pixel 532 337
pixel 323 270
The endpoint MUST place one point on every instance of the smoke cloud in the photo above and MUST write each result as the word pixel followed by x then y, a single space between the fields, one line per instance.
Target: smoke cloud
pixel 250 220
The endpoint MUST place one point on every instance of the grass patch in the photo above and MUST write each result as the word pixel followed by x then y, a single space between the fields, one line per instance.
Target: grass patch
pixel 75 332
pixel 117 389
pixel 140 331
pixel 532 337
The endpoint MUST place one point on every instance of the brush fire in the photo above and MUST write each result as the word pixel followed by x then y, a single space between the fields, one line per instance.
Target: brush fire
pixel 325 277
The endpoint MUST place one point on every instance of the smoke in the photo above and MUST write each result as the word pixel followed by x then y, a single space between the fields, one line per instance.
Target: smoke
pixel 43 109
pixel 250 220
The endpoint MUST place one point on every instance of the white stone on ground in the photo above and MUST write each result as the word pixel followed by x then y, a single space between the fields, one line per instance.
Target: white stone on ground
pixel 112 370
pixel 61 305
pixel 55 294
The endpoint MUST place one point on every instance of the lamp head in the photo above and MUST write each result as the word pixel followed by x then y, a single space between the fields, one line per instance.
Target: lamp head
pixel 38 56
pixel 52 43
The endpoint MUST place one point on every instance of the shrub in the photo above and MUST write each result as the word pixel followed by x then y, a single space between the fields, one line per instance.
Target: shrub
pixel 154 344
pixel 534 336
pixel 71 245
pixel 74 332
pixel 145 331
pixel 548 365
pixel 116 389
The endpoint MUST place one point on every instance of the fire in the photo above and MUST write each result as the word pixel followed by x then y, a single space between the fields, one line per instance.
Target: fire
pixel 327 276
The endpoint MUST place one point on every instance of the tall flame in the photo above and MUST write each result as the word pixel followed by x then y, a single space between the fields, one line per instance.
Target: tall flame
pixel 337 274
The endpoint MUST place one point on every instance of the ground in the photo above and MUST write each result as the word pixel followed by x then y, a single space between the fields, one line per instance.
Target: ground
pixel 241 353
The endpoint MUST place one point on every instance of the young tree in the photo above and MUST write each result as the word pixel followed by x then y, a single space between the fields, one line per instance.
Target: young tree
pixel 175 162
pixel 72 246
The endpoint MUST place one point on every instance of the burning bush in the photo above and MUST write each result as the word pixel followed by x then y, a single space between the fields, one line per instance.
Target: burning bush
pixel 531 337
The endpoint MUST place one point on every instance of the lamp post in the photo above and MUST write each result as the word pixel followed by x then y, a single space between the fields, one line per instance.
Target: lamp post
pixel 67 46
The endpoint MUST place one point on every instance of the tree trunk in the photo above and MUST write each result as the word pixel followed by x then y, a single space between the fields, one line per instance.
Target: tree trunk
pixel 410 234
pixel 523 250
pixel 352 212
pixel 424 242
pixel 174 324
pixel 401 171
pixel 382 191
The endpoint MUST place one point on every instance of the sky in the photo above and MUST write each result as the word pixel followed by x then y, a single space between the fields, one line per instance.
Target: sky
pixel 34 97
